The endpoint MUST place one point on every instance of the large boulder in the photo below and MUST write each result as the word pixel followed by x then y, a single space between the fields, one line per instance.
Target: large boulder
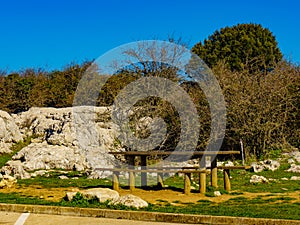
pixel 9 132
pixel 102 194
pixel 130 200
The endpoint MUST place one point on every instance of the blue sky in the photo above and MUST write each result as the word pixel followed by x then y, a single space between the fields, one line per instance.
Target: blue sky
pixel 53 33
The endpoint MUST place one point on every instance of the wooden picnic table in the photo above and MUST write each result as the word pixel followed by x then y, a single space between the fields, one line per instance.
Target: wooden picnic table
pixel 131 155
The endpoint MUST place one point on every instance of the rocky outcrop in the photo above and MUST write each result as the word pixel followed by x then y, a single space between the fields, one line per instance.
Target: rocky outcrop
pixel 9 132
pixel 16 169
pixel 75 138
pixel 38 156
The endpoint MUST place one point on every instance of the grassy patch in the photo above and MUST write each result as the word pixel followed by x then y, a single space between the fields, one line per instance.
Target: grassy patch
pixel 263 205
pixel 54 182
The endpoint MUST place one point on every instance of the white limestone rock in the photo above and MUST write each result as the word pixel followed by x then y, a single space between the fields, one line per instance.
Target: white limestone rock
pixel 130 200
pixel 7 181
pixel 295 178
pixel 217 193
pixel 15 168
pixel 258 179
pixel 102 194
pixel 294 168
pixel 9 132
pixel 42 156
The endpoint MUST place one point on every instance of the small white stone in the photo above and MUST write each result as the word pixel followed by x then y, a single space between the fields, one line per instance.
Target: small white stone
pixel 217 193
pixel 295 178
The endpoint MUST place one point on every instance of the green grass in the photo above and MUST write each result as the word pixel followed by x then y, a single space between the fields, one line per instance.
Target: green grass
pixel 54 182
pixel 238 206
pixel 263 206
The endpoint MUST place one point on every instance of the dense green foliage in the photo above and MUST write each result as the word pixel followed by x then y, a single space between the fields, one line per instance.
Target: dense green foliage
pixel 242 46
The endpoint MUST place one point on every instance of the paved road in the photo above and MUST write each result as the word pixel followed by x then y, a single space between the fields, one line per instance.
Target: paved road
pixel 8 218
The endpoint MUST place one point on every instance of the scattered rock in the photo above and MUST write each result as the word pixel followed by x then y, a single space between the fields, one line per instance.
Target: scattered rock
pixel 258 179
pixel 295 178
pixel 257 168
pixel 291 161
pixel 217 193
pixel 294 155
pixel 265 165
pixel 272 179
pixel 130 201
pixel 7 181
pixel 284 178
pixel 63 177
pixel 271 164
pixel 294 168
pixel 39 173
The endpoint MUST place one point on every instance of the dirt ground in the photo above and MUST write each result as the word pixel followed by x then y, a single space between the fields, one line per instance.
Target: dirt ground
pixel 152 196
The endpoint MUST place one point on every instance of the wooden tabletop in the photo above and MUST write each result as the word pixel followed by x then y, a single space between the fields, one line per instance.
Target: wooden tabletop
pixel 163 153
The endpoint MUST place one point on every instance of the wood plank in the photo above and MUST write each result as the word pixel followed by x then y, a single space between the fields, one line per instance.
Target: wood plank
pixel 152 170
pixel 162 153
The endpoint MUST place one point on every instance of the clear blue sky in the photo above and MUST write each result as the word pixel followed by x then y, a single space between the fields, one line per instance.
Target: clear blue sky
pixel 53 33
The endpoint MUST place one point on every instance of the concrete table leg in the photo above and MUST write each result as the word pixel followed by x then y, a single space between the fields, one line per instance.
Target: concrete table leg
pixel 214 173
pixel 115 181
pixel 187 183
pixel 202 178
pixel 160 181
pixel 227 185
pixel 131 174
pixel 143 174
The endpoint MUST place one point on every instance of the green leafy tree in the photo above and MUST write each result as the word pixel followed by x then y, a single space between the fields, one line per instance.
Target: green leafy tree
pixel 243 46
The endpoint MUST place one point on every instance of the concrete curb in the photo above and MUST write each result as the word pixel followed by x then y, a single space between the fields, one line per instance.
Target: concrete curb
pixel 143 216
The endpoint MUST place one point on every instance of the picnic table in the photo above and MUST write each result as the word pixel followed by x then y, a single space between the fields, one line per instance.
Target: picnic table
pixel 187 171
